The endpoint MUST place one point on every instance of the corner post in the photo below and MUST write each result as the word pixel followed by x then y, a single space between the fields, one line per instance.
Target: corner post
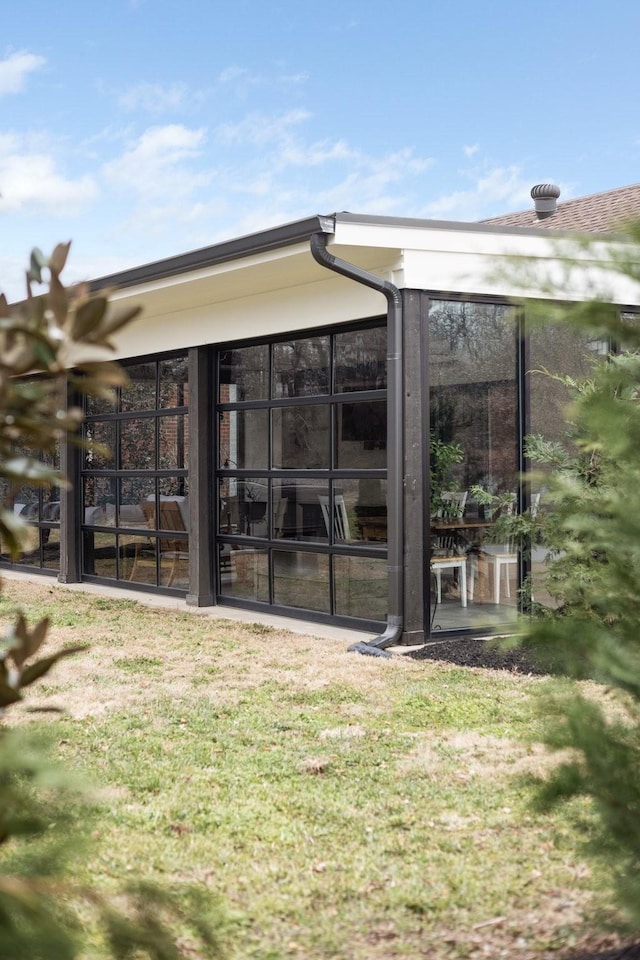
pixel 200 479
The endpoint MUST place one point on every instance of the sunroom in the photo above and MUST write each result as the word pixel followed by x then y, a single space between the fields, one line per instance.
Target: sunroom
pixel 316 420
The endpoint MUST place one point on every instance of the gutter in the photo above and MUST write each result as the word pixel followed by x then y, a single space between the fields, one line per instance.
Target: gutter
pixel 395 450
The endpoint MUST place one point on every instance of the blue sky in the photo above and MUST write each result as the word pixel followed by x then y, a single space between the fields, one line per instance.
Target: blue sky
pixel 145 128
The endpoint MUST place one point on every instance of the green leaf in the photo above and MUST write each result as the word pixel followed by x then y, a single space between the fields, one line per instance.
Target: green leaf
pixel 8 695
pixel 58 258
pixel 88 318
pixel 36 670
pixel 31 642
pixel 38 261
pixel 24 468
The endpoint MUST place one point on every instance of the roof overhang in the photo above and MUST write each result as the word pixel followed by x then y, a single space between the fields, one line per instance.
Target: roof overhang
pixel 268 282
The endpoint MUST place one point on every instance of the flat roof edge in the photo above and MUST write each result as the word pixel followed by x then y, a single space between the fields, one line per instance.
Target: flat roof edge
pixel 474 226
pixel 284 235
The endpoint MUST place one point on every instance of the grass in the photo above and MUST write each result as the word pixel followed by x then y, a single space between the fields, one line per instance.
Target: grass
pixel 341 806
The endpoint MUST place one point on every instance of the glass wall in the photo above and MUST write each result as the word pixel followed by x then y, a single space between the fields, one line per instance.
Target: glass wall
pixel 555 351
pixel 301 439
pixel 474 461
pixel 40 506
pixel 135 479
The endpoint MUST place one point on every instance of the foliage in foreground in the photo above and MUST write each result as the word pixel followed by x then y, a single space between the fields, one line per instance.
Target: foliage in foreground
pixel 39 339
pixel 593 534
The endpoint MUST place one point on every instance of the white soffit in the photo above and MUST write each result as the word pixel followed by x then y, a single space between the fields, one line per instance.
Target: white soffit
pixel 280 269
pixel 493 261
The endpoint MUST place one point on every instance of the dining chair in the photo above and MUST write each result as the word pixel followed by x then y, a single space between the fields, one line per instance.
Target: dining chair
pixel 501 556
pixel 175 549
pixel 341 528
pixel 450 562
pixel 452 504
pixel 444 554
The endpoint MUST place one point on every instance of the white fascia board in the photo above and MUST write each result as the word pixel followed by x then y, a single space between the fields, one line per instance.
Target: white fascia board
pixel 499 263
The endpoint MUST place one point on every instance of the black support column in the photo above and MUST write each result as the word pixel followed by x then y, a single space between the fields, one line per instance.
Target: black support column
pixel 201 480
pixel 416 450
pixel 70 505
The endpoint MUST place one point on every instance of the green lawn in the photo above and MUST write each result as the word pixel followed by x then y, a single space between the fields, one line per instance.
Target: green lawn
pixel 340 806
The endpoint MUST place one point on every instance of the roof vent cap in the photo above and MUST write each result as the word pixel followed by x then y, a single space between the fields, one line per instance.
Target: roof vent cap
pixel 545 197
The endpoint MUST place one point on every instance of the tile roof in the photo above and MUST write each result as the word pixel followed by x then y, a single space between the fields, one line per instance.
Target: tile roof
pixel 597 213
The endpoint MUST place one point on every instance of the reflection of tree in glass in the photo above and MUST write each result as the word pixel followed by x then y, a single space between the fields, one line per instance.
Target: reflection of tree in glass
pixel 244 374
pixel 301 367
pixel 360 360
pixel 464 333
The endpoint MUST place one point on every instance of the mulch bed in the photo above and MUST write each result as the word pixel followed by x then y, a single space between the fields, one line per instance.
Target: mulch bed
pixel 629 952
pixel 476 652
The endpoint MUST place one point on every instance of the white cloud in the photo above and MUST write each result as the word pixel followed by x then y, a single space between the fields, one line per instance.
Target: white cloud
pixel 233 74
pixel 259 129
pixel 241 81
pixel 371 183
pixel 470 150
pixel 158 163
pixel 495 191
pixel 16 68
pixel 30 182
pixel 154 97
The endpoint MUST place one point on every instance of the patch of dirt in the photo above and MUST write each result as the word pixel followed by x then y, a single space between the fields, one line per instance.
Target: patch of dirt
pixel 197 655
pixel 482 756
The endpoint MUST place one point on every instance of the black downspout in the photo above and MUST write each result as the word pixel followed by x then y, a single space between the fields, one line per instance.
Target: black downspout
pixel 395 449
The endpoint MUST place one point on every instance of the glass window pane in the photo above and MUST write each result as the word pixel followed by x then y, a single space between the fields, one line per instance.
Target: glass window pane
pixel 101 439
pixel 563 351
pixel 135 492
pixel 30 552
pixel 244 439
pixel 173 545
pixel 473 441
pixel 51 548
pixel 99 554
pixel 301 580
pixel 301 367
pixel 100 405
pixel 244 374
pixel 360 586
pixel 138 444
pixel 360 360
pixel 175 487
pixel 27 502
pixel 243 506
pixel 140 394
pixel 100 501
pixel 299 508
pixel 244 573
pixel 138 562
pixel 473 391
pixel 173 385
pixel 361 435
pixel 174 443
pixel 51 503
pixel 360 511
pixel 301 437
